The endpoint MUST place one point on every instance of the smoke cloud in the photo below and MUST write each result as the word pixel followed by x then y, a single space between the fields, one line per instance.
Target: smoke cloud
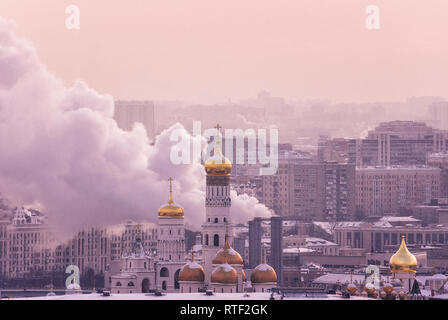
pixel 63 153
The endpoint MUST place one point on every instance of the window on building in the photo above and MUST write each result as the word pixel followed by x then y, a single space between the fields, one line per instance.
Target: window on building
pixel 216 240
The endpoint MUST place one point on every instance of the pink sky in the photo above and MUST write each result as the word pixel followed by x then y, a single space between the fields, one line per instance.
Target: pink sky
pixel 209 50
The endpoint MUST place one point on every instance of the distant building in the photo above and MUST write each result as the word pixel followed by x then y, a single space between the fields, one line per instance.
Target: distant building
pixel 255 235
pixel 440 160
pixel 311 191
pixel 276 259
pixel 404 143
pixel 388 190
pixel 435 212
pixel 27 243
pixel 382 235
pixel 127 113
pixel 439 114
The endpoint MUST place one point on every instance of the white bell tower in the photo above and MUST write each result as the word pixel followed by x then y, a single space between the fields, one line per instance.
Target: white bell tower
pixel 217 206
pixel 171 237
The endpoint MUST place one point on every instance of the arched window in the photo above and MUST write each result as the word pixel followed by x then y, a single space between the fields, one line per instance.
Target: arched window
pixel 144 264
pixel 164 273
pixel 145 285
pixel 206 239
pixel 131 284
pixel 216 240
pixel 216 220
pixel 176 279
pixel 118 284
pixel 164 285
pixel 225 219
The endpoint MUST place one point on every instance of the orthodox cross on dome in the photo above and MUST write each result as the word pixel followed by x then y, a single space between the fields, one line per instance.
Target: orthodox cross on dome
pixel 170 201
pixel 226 239
pixel 218 137
pixel 192 255
pixel 263 254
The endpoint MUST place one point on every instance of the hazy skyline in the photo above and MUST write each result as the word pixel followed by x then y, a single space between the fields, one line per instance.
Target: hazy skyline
pixel 209 51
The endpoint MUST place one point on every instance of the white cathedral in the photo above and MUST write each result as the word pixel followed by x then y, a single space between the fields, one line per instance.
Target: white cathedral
pixel 222 267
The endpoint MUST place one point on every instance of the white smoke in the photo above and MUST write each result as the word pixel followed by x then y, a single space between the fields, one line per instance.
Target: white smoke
pixel 62 151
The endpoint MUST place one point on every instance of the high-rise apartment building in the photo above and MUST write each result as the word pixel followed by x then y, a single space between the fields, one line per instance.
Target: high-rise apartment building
pixel 311 191
pixel 28 242
pixel 440 160
pixel 387 190
pixel 390 144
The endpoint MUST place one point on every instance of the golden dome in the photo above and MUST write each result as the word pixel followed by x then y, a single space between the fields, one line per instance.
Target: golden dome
pixel 369 288
pixel 218 165
pixel 227 255
pixel 352 289
pixel 263 273
pixel 171 210
pixel 403 260
pixel 224 274
pixel 388 288
pixel 192 271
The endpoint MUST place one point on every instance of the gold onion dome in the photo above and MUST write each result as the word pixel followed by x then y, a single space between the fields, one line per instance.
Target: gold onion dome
pixel 403 260
pixel 171 210
pixel 227 255
pixel 218 164
pixel 352 289
pixel 369 288
pixel 192 271
pixel 388 288
pixel 263 273
pixel 224 274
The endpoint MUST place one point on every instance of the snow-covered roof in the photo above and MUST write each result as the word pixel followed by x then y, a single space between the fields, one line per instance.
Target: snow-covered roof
pixel 297 250
pixel 124 276
pixel 399 219
pixel 310 241
pixel 332 278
